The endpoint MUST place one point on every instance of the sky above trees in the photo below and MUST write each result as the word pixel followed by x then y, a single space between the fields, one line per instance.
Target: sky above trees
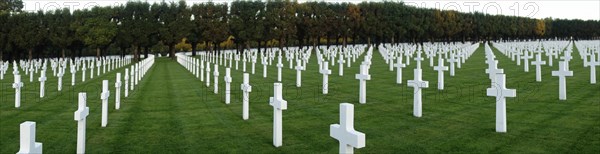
pixel 578 9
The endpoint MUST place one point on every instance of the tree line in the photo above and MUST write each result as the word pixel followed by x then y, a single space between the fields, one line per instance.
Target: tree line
pixel 136 27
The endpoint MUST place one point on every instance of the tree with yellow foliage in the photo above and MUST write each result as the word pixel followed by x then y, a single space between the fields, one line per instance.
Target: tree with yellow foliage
pixel 540 28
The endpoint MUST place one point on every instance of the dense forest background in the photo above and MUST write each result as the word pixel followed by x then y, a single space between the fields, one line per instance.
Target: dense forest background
pixel 141 27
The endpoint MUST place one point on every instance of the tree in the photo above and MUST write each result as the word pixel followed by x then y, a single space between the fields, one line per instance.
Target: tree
pixel 280 20
pixel 10 6
pixel 60 33
pixel 4 30
pixel 198 28
pixel 136 25
pixel 540 28
pixel 29 31
pixel 217 29
pixel 97 32
pixel 175 24
pixel 245 22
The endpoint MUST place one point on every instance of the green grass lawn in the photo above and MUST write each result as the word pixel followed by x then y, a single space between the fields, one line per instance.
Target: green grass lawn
pixel 171 111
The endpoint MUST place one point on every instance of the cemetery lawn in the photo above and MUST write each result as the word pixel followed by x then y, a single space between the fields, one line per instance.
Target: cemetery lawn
pixel 171 111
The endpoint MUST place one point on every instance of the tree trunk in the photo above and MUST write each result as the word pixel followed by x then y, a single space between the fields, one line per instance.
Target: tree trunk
pixel 206 48
pixel 172 51
pixel 259 45
pixel 281 43
pixel 30 54
pixel 327 41
pixel 98 53
pixel 194 44
pixel 136 55
pixel 63 53
pixel 146 49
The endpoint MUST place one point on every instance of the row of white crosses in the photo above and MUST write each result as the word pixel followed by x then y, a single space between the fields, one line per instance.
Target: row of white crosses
pixel 417 83
pixel 512 48
pixel 57 64
pixel 458 53
pixel 363 76
pixel 344 132
pixel 527 51
pixel 28 144
pixel 3 68
pixel 455 53
pixel 279 104
pixel 191 64
pixel 138 70
pixel 195 67
pixel 498 89
pixel 590 54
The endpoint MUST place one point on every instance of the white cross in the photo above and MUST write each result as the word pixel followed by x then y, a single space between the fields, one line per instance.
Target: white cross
pixel 132 78
pixel 264 63
pixel 104 96
pixel 363 76
pixel 201 71
pixel 227 85
pixel 31 69
pixel 83 72
pixel 254 64
pixel 104 64
pixel 138 76
pixel 17 85
pixel 592 63
pixel 526 57
pixel 73 75
pixel 216 80
pixel 458 60
pixel 550 53
pixel 418 59
pixel 499 90
pixel 279 66
pixel 278 106
pixel 345 133
pixel 348 62
pixel 244 62
pixel 126 82
pixel 92 69
pixel 246 89
pixel 566 58
pixel 562 73
pixel 27 139
pixel 399 66
pixel 538 67
pixel 417 83
pixel 390 61
pixel 299 69
pixel 80 116
pixel 440 68
pixel 492 70
pixel 207 74
pixel 98 64
pixel 42 80
pixel 60 74
pixel 325 71
pixel 341 66
pixel 452 62
pixel 118 92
